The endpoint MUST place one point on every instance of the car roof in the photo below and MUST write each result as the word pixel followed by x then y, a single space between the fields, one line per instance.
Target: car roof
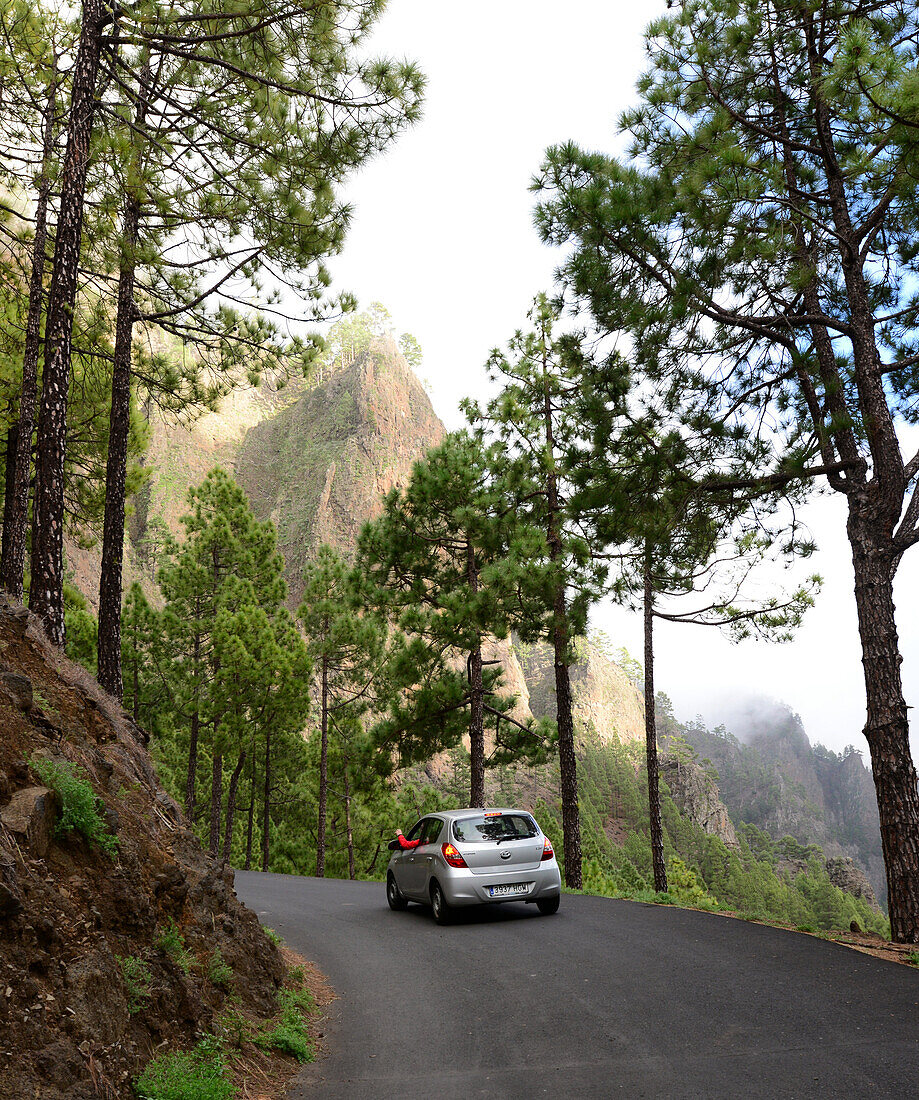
pixel 456 815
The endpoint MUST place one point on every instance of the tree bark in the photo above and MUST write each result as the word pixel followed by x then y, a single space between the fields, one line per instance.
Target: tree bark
pixel 46 593
pixel 116 468
pixel 323 770
pixel 193 735
pixel 654 798
pixel 567 760
pixel 9 490
pixel 476 698
pixel 231 807
pixel 216 798
pixel 266 808
pixel 352 873
pixel 110 580
pixel 250 817
pixel 16 505
pixel 568 765
pixel 887 724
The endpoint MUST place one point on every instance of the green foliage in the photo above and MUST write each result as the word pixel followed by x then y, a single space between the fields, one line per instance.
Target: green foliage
pixel 82 808
pixel 702 871
pixel 219 971
pixel 198 1074
pixel 172 944
pixel 136 975
pixel 912 957
pixel 288 1032
pixel 272 936
pixel 443 560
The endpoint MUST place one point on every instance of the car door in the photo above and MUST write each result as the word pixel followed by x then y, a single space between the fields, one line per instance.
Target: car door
pixel 410 871
pixel 418 862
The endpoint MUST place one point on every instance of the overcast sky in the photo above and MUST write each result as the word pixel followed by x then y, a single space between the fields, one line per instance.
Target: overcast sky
pixel 443 236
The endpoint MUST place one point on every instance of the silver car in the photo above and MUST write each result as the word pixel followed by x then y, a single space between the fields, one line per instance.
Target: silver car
pixel 474 857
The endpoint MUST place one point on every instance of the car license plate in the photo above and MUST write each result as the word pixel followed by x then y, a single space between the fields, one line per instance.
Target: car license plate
pixel 508 889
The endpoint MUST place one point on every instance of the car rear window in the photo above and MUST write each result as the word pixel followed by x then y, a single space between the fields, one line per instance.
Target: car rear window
pixel 482 827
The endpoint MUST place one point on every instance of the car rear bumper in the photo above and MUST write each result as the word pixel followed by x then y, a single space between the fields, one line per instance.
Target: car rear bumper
pixel 462 887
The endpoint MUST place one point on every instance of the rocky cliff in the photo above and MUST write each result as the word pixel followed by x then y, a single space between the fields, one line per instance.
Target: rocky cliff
pixel 696 794
pixel 778 781
pixel 320 467
pixel 605 701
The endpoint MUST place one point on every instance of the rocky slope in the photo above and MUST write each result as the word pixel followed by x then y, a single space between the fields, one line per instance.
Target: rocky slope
pixel 605 701
pixel 77 922
pixel 779 782
pixel 320 467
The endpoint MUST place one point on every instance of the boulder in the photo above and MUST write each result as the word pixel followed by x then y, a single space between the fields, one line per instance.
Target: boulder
pixel 847 876
pixel 18 688
pixel 30 816
pixel 696 794
pixel 95 993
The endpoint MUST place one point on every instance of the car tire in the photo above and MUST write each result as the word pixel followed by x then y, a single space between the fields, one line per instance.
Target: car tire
pixel 397 900
pixel 548 906
pixel 443 914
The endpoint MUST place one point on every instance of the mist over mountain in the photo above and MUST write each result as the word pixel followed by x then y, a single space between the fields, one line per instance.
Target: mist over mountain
pixel 770 775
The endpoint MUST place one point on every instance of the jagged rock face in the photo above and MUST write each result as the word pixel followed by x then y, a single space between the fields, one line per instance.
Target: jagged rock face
pixel 777 781
pixel 320 468
pixel 605 701
pixel 844 874
pixel 696 794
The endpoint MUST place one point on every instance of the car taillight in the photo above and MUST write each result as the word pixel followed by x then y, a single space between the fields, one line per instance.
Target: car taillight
pixel 547 849
pixel 452 856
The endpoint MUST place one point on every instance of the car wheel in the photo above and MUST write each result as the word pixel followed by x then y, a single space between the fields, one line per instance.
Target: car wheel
pixel 548 906
pixel 442 910
pixel 397 900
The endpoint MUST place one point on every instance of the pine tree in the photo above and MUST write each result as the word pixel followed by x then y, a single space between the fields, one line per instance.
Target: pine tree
pixel 346 647
pixel 740 250
pixel 534 419
pixel 439 560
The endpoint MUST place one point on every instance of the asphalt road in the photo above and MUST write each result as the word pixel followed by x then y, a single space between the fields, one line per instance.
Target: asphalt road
pixel 605 999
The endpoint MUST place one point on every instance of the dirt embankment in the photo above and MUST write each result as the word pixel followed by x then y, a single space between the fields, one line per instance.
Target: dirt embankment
pixel 106 960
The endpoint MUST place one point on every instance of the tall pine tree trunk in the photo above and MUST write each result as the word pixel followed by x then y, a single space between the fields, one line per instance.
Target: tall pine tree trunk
pixel 323 770
pixel 476 698
pixel 9 493
pixel 194 734
pixel 46 594
pixel 567 760
pixel 231 806
pixel 250 815
pixel 16 505
pixel 654 798
pixel 216 797
pixel 110 582
pixel 887 724
pixel 266 808
pixel 350 832
pixel 568 766
pixel 476 729
pixel 116 468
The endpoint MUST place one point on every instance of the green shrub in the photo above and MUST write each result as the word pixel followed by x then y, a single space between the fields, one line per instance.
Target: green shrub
pixel 171 943
pixel 136 976
pixel 198 1074
pixel 219 971
pixel 272 935
pixel 81 805
pixel 289 1031
pixel 912 957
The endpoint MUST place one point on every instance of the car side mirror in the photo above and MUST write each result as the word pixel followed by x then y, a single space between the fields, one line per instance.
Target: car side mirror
pixel 393 845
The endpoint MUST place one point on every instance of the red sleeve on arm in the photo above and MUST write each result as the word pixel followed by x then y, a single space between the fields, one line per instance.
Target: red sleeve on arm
pixel 404 844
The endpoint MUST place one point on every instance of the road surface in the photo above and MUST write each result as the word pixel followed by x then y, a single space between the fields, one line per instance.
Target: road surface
pixel 605 999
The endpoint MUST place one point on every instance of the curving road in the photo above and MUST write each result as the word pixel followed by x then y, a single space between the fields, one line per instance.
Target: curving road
pixel 606 999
